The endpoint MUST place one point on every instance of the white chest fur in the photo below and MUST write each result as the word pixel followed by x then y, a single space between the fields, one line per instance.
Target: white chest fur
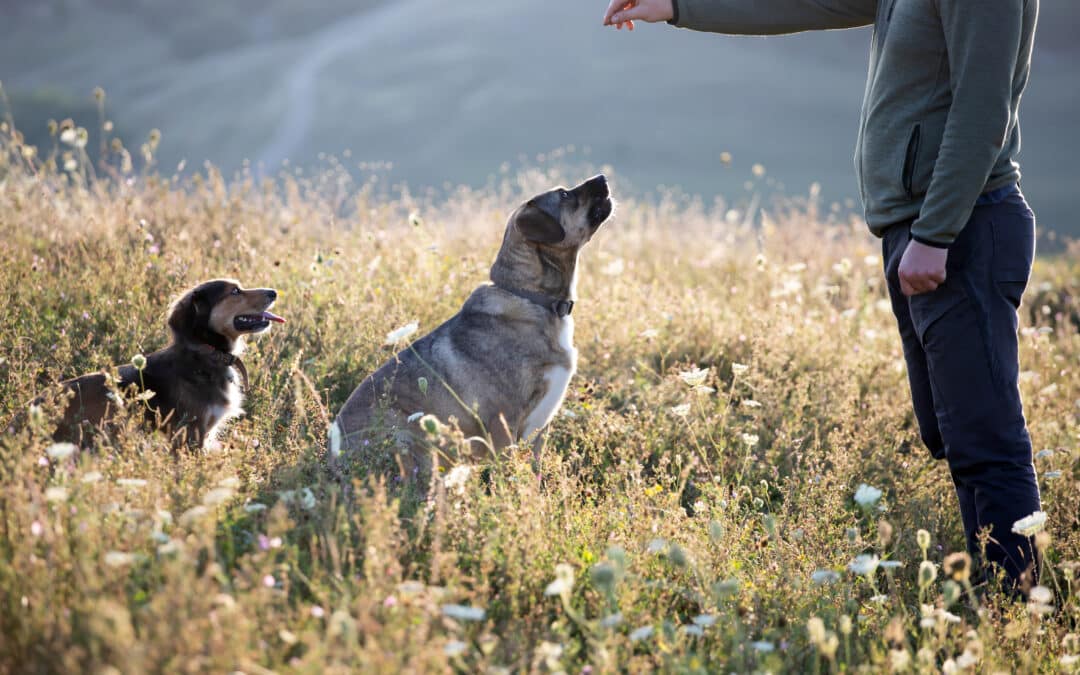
pixel 217 415
pixel 556 379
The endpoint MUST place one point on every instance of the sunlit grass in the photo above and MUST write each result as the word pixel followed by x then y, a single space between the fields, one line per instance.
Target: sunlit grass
pixel 734 484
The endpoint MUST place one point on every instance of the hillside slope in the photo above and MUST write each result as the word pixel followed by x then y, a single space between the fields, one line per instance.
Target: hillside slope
pixel 448 92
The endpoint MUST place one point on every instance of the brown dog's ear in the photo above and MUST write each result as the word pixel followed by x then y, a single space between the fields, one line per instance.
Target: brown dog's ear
pixel 537 226
pixel 187 312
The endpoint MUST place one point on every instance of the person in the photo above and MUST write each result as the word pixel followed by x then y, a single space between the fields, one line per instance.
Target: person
pixel 936 167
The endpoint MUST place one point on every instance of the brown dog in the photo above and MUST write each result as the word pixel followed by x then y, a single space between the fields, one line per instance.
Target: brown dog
pixel 193 380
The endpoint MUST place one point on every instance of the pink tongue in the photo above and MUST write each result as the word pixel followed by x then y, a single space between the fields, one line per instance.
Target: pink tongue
pixel 270 316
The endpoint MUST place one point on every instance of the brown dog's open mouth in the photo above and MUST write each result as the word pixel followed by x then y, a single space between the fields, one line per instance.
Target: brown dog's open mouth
pixel 252 323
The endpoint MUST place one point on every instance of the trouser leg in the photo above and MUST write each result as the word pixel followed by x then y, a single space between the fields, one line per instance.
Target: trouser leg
pixel 967 333
pixel 922 391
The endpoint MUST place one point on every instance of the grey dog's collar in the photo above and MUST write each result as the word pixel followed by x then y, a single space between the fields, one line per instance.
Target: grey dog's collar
pixel 558 306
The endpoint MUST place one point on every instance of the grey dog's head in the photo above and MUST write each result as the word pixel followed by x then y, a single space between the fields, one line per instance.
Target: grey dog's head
pixel 565 218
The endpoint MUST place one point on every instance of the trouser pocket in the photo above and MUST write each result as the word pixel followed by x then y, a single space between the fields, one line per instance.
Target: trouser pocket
pixel 1012 225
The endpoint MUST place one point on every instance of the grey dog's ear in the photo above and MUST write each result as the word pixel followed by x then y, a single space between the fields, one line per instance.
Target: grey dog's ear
pixel 537 225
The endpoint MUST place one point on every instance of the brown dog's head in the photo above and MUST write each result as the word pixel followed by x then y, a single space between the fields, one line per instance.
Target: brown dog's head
pixel 563 218
pixel 221 312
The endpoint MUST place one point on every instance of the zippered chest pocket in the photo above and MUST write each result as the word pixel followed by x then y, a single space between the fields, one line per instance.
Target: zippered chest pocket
pixel 911 159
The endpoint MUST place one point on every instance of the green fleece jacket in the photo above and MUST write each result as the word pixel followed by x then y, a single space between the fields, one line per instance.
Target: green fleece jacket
pixel 939 118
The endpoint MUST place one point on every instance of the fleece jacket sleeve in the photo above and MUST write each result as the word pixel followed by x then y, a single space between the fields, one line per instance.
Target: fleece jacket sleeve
pixel 771 17
pixel 983 41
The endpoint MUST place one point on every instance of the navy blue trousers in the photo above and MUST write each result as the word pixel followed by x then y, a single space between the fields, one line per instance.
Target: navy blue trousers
pixel 960 345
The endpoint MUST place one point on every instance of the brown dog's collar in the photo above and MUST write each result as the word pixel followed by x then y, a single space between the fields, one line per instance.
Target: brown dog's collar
pixel 229 360
pixel 560 307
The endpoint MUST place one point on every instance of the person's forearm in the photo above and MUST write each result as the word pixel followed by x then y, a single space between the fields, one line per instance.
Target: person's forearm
pixel 771 17
pixel 982 51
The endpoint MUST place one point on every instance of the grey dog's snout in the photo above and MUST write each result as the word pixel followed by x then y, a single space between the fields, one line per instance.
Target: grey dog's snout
pixel 598 184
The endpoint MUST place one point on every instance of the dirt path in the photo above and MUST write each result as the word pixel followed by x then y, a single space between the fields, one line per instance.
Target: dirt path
pixel 299 82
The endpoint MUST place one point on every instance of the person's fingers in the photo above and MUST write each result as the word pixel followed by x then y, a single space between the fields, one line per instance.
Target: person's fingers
pixel 914 284
pixel 635 13
pixel 613 7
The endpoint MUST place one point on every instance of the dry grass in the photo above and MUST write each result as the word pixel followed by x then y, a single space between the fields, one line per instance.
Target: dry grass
pixel 673 528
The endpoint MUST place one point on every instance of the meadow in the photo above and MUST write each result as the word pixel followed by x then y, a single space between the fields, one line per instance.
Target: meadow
pixel 734 484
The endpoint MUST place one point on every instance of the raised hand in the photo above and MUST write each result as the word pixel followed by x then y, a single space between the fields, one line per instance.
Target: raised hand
pixel 621 12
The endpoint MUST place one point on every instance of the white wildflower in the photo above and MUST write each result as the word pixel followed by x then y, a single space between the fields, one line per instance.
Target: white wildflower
pixel 1042 595
pixel 682 410
pixel 739 369
pixel 642 633
pixel 464 612
pixel 254 507
pixel 118 559
pixel 396 336
pixel 899 660
pixel 564 581
pixel 193 515
pixel 131 482
pixel 455 648
pixel 91 477
pixel 695 377
pixel 867 496
pixel 457 478
pixel 824 577
pixel 966 660
pixel 864 565
pixel 307 498
pixel 1029 526
pixel 217 496
pixel 56 494
pixel 60 451
pixel 612 620
pixel 763 646
pixel 657 546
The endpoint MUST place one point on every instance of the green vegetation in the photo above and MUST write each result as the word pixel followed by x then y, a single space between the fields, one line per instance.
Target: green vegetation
pixel 697 509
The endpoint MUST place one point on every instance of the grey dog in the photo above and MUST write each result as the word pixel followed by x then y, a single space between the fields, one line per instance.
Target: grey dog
pixel 500 367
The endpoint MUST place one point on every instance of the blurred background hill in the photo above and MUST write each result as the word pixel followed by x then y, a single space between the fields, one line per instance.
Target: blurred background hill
pixel 447 92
